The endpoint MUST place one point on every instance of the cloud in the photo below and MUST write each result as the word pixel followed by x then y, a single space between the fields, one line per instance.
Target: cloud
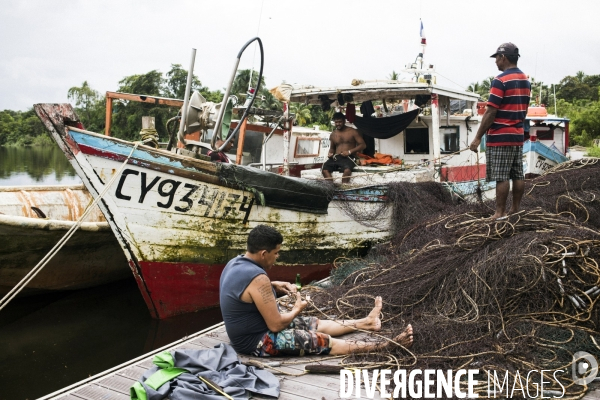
pixel 49 46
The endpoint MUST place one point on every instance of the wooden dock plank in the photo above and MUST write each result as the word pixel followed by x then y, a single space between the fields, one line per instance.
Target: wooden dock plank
pixel 134 372
pixel 118 383
pixel 95 392
pixel 69 397
pixel 209 342
pixel 115 386
pixel 307 389
pixel 593 394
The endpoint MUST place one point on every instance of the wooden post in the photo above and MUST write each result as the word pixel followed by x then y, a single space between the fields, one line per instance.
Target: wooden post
pixel 286 138
pixel 435 129
pixel 241 138
pixel 108 120
pixel 148 123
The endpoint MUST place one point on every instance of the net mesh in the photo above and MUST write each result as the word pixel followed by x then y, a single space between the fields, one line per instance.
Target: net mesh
pixel 517 294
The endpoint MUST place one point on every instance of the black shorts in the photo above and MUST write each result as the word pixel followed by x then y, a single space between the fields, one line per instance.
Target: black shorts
pixel 339 163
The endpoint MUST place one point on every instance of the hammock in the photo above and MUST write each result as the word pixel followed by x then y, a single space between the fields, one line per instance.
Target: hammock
pixel 387 127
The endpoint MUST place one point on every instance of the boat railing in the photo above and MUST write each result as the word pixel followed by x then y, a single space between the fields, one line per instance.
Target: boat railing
pixel 264 166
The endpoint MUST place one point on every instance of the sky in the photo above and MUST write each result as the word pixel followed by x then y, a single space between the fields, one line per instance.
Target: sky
pixel 49 46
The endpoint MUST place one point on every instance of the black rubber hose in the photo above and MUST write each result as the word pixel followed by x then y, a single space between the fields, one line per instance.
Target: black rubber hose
pixel 245 115
pixel 171 134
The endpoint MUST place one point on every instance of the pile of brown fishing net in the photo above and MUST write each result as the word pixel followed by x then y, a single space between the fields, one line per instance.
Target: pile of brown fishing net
pixel 515 294
pixel 407 202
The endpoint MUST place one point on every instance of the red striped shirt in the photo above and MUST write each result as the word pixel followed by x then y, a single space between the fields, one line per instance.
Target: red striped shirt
pixel 509 94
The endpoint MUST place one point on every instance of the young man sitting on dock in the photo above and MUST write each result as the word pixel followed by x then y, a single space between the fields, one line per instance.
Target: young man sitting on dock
pixel 345 142
pixel 253 321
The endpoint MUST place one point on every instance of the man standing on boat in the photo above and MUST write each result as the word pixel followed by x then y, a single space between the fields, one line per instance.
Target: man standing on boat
pixel 345 142
pixel 503 121
pixel 254 323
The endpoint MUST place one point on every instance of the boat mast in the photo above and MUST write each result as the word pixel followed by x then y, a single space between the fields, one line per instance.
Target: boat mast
pixel 435 109
pixel 286 138
pixel 186 98
pixel 435 130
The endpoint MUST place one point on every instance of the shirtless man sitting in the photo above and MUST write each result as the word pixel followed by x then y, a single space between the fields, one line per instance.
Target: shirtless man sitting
pixel 254 323
pixel 344 142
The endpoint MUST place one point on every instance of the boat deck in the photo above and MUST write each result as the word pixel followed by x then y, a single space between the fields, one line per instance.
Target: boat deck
pixel 114 384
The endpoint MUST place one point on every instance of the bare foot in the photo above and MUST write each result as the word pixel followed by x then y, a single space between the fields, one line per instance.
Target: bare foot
pixel 497 216
pixel 406 337
pixel 372 321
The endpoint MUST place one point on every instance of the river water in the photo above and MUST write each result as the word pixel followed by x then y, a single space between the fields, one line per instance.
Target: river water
pixel 51 341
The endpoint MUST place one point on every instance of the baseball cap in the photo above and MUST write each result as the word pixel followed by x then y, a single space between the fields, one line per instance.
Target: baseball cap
pixel 507 48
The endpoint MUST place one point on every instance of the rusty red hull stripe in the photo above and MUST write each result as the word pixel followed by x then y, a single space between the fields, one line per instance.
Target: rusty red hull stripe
pixel 177 288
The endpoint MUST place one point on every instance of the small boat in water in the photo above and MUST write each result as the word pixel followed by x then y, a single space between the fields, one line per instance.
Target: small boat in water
pixel 34 218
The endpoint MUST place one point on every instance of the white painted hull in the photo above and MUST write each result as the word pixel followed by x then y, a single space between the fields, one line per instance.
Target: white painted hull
pixel 89 258
pixel 178 225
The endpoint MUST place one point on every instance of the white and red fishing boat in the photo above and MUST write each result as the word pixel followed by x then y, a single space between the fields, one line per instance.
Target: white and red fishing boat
pixel 180 219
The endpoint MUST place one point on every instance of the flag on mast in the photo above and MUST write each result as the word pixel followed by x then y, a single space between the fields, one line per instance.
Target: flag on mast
pixel 422 34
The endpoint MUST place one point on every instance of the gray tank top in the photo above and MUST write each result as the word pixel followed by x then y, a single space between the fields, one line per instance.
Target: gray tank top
pixel 243 322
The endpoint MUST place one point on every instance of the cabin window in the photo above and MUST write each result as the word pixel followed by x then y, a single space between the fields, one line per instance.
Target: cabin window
pixel 449 136
pixel 307 147
pixel 546 134
pixel 416 141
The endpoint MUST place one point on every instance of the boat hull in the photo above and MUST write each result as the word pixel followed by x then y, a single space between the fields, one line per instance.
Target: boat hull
pixel 539 158
pixel 91 257
pixel 179 223
pixel 183 287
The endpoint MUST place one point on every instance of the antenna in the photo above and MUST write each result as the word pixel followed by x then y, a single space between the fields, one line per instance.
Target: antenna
pixel 254 55
pixel 555 109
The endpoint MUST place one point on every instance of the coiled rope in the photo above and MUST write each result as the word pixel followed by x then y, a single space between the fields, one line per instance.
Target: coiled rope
pixel 149 137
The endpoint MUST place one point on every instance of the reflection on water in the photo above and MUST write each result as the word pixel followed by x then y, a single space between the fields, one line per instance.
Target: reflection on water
pixel 51 341
pixel 58 339
pixel 35 166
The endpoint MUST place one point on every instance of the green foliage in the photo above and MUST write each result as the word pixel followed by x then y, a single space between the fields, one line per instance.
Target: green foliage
pixel 264 98
pixel 593 152
pixel 89 105
pixel 577 98
pixel 127 115
pixel 301 113
pixel 20 128
pixel 585 119
pixel 323 118
pixel 25 129
pixel 482 88
pixel 578 87
pixel 176 80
